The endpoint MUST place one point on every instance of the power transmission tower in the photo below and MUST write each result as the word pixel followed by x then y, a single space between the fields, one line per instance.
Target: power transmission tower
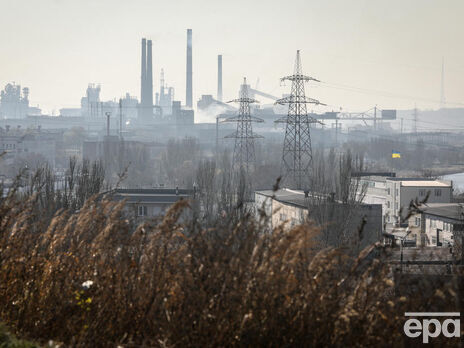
pixel 244 149
pixel 297 153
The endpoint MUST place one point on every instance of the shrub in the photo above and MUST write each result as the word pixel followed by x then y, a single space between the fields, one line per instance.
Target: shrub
pixel 86 279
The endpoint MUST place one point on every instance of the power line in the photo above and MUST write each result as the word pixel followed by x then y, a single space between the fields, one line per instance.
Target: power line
pixel 384 93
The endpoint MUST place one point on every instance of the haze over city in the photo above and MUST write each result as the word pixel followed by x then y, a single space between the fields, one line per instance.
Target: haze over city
pixel 387 53
pixel 231 173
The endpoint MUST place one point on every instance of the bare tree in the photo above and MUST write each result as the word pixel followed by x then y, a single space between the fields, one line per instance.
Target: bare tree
pixel 335 199
pixel 207 193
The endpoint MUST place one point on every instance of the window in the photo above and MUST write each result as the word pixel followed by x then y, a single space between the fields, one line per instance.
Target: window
pixel 439 237
pixel 417 221
pixel 388 191
pixel 283 217
pixel 397 192
pixel 438 192
pixel 388 204
pixel 142 210
pixel 422 193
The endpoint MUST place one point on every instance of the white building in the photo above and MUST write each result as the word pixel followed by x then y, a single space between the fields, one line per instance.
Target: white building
pixel 395 194
pixel 401 191
pixel 150 203
pixel 442 223
pixel 287 208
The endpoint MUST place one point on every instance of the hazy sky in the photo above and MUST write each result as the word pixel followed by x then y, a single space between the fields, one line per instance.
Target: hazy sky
pixel 366 52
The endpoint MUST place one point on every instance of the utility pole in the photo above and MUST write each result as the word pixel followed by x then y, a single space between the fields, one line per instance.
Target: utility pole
pixel 244 150
pixel 297 152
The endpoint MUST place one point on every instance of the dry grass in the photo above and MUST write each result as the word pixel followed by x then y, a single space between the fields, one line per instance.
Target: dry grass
pixel 177 284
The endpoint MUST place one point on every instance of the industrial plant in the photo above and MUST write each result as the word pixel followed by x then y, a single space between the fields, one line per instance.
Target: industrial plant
pixel 182 199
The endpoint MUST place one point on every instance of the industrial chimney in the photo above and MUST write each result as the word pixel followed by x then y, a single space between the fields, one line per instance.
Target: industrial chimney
pixel 149 96
pixel 145 110
pixel 144 72
pixel 219 87
pixel 189 92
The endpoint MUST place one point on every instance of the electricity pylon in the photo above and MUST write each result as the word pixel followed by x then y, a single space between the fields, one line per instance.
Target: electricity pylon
pixel 244 149
pixel 297 153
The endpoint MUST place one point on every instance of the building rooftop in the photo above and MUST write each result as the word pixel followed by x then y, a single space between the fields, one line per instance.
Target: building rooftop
pixel 159 195
pixel 410 179
pixel 453 211
pixel 289 196
pixel 421 182
pixel 297 198
pixel 429 183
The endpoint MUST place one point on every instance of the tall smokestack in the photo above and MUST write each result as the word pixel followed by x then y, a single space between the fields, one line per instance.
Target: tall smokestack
pixel 189 92
pixel 149 96
pixel 144 72
pixel 219 87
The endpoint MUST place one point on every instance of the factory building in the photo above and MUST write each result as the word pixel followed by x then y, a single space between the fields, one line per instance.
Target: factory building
pixel 14 102
pixel 165 97
pixel 91 104
pixel 129 107
pixel 17 143
pixel 181 116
